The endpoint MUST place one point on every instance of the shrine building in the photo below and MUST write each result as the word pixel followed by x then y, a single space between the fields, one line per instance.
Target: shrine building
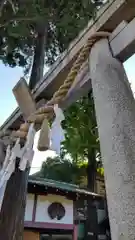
pixel 57 210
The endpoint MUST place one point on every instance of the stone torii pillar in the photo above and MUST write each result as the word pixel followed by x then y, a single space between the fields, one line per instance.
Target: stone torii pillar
pixel 115 110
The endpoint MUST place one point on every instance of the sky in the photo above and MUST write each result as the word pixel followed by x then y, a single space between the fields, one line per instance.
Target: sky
pixel 10 76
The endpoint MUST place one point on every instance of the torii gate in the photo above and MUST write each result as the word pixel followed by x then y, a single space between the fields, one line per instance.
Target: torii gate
pixel 114 104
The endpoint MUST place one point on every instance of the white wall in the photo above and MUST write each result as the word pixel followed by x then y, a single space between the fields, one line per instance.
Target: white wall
pixel 43 203
pixel 29 207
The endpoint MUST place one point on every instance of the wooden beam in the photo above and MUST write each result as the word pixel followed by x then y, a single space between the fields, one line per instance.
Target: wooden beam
pixel 123 44
pixel 24 98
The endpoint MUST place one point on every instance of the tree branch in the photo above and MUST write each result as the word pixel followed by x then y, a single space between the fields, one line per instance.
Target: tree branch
pixel 2 3
pixel 18 20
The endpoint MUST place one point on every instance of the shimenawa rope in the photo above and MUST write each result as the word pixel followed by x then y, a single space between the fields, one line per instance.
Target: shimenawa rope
pixel 47 110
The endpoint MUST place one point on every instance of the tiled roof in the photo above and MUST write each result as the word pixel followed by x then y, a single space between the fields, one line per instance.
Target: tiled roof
pixel 61 185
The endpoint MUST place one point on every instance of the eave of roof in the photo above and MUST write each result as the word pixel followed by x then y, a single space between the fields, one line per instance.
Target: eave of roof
pixel 62 186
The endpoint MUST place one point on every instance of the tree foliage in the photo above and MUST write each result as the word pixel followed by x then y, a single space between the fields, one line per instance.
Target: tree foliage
pixel 81 133
pixel 63 170
pixel 21 19
pixel 81 136
pixel 81 141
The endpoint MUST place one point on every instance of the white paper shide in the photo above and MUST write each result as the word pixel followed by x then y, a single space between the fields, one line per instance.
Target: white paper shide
pixel 57 134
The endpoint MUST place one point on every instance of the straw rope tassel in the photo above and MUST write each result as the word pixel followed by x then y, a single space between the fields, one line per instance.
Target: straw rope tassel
pixel 44 137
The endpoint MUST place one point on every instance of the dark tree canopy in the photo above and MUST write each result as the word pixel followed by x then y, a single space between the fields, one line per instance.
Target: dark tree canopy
pixel 81 133
pixel 81 137
pixel 62 170
pixel 21 20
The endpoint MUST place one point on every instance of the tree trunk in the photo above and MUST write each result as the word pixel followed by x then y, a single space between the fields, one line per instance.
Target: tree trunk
pixel 91 220
pixel 92 166
pixel 13 207
pixel 39 56
pixel 115 110
pixel 91 171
